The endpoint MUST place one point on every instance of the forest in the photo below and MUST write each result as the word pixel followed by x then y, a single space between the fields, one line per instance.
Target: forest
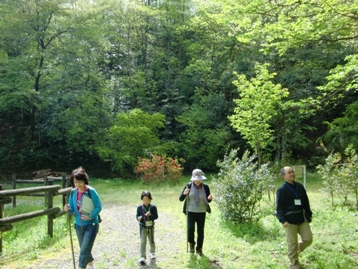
pixel 101 83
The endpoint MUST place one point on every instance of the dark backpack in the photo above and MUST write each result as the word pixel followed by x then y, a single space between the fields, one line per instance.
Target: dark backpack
pixel 99 216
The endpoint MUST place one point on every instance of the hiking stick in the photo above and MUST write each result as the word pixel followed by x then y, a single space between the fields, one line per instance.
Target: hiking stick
pixel 187 222
pixel 70 229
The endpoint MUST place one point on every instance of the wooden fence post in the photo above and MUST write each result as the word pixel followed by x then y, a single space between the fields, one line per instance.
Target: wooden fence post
pixel 45 184
pixel 52 213
pixel 14 187
pixel 64 183
pixel 49 206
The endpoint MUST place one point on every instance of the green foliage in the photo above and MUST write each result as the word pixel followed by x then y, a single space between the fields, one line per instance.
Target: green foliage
pixel 347 173
pixel 342 78
pixel 29 237
pixel 343 131
pixel 239 187
pixel 327 173
pixel 134 134
pixel 159 169
pixel 259 101
pixel 261 244
pixel 68 67
pixel 206 135
pixel 56 102
pixel 290 24
pixel 340 175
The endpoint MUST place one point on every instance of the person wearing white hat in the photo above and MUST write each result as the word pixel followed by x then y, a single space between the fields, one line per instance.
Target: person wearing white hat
pixel 197 197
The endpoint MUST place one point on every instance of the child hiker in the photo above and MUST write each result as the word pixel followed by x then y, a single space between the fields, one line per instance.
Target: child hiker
pixel 146 214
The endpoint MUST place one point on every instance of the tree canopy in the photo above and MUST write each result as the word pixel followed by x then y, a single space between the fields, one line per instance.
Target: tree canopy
pixel 275 77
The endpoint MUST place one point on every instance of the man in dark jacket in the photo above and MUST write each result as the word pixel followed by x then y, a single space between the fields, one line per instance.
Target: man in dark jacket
pixel 294 212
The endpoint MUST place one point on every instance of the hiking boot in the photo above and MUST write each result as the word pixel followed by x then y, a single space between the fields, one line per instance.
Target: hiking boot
pixel 199 251
pixel 191 250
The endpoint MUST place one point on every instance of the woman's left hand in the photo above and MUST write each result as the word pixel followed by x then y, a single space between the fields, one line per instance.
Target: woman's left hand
pixel 210 197
pixel 85 217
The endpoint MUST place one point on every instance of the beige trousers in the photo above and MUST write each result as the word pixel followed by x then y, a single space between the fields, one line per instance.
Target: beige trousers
pixel 144 235
pixel 293 246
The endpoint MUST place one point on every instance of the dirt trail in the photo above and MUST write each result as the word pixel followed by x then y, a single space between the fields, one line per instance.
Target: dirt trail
pixel 117 244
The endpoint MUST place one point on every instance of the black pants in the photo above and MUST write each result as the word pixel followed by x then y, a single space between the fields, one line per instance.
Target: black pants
pixel 199 219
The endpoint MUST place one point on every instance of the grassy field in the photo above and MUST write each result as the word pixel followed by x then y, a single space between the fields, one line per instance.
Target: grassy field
pixel 261 244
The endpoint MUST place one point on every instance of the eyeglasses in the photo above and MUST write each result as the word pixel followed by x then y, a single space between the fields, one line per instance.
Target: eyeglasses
pixel 76 182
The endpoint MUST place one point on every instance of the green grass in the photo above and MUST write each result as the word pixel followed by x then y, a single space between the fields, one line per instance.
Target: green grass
pixel 261 244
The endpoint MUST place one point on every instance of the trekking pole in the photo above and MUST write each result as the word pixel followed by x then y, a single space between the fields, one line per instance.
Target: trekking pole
pixel 187 222
pixel 70 229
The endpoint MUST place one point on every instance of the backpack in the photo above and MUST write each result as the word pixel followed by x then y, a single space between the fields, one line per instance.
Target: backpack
pixel 99 216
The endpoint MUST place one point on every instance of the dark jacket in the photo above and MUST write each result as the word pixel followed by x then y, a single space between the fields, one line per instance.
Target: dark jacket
pixel 141 211
pixel 287 210
pixel 182 196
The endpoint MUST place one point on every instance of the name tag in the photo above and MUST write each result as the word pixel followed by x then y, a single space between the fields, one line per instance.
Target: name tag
pixel 297 201
pixel 148 223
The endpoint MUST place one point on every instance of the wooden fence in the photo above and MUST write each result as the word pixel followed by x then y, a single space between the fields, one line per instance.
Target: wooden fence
pixel 49 191
pixel 46 181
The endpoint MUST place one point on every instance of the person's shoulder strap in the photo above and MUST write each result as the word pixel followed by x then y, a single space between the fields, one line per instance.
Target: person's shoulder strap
pixel 89 192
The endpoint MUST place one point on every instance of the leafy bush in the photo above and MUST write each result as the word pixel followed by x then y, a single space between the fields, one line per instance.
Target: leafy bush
pixel 340 175
pixel 239 187
pixel 327 172
pixel 159 169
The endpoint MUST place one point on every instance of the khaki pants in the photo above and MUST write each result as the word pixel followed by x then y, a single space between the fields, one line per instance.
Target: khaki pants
pixel 293 246
pixel 144 234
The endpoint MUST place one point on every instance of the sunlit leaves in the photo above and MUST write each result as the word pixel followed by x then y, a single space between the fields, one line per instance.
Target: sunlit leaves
pixel 258 103
pixel 134 134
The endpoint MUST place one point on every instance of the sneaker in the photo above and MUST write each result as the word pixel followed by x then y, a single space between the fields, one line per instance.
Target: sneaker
pixel 142 261
pixel 191 250
pixel 152 256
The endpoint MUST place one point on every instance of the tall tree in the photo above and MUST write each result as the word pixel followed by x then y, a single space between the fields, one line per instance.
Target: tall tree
pixel 31 41
pixel 134 134
pixel 258 103
pixel 52 80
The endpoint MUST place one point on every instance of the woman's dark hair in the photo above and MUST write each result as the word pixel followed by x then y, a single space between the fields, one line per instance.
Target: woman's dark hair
pixel 146 193
pixel 79 174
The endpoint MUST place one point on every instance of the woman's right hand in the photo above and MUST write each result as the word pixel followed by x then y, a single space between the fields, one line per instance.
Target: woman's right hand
pixel 186 191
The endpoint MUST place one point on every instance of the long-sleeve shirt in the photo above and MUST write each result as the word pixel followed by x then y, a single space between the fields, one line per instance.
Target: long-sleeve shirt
pixel 292 204
pixel 189 185
pixel 142 210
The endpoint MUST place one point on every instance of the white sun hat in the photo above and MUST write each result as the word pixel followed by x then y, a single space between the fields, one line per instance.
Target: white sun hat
pixel 197 175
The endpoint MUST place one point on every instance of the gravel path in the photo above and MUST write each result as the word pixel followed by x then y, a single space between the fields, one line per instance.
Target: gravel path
pixel 117 243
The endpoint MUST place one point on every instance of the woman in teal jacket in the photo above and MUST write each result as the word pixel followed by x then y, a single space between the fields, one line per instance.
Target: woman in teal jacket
pixel 86 223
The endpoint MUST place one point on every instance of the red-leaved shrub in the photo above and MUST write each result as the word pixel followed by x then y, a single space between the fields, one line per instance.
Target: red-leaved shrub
pixel 159 169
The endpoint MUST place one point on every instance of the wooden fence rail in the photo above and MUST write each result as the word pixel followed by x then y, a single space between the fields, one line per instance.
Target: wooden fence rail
pixel 46 181
pixel 51 212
